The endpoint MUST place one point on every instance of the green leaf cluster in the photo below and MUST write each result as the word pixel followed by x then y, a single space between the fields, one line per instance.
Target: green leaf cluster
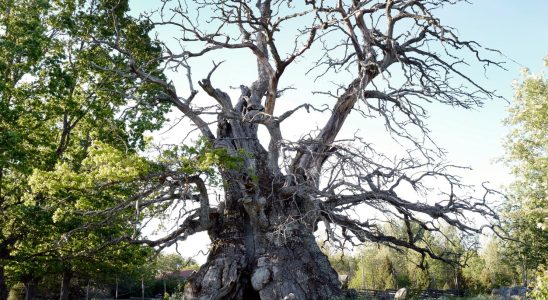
pixel 526 210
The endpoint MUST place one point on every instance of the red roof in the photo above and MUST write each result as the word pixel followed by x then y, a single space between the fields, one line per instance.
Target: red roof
pixel 181 274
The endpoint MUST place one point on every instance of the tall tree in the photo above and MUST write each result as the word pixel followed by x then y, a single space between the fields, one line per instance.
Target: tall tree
pixel 383 267
pixel 495 273
pixel 63 124
pixel 23 39
pixel 275 199
pixel 397 57
pixel 376 269
pixel 527 150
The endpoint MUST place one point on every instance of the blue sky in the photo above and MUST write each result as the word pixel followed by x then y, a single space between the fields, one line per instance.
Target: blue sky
pixel 519 29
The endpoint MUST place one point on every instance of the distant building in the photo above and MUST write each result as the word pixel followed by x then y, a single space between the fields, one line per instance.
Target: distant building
pixel 183 274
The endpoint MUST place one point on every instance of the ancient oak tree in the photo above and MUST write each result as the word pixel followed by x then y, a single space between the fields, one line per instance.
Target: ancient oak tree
pixel 387 60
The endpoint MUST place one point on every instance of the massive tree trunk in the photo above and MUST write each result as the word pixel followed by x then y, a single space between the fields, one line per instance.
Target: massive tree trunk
pixel 248 262
pixel 263 246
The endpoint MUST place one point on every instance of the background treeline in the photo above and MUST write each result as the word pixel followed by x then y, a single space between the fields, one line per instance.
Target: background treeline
pixel 473 269
pixel 158 275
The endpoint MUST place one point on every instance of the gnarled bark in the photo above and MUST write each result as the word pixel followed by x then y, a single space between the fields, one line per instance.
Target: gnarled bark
pixel 274 262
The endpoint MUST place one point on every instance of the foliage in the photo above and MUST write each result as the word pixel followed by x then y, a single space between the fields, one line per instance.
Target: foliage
pixel 473 282
pixel 69 134
pixel 482 271
pixel 377 267
pixel 527 154
pixel 343 262
pixel 540 286
pixel 495 272
pixel 387 268
pixel 16 291
pixel 167 263
pixel 200 158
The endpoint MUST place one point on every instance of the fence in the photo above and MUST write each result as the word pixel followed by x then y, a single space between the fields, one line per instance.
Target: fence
pixel 389 294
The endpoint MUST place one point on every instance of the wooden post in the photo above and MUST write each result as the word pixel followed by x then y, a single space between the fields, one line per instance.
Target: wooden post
pixel 523 272
pixel 87 291
pixel 363 273
pixel 116 287
pixel 142 288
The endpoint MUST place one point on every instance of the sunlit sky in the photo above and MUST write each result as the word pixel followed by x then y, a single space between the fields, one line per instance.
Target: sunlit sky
pixel 519 29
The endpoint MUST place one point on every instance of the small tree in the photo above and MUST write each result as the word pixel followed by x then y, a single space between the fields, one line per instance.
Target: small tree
pixel 495 273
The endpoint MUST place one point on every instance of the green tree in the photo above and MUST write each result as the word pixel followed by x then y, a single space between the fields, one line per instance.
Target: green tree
pixel 540 287
pixel 166 263
pixel 69 134
pixel 166 270
pixel 343 262
pixel 375 265
pixel 23 38
pixel 527 153
pixel 386 268
pixel 473 285
pixel 495 272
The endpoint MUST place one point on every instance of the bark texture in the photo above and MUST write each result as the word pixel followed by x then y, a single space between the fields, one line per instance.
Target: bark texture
pixel 274 265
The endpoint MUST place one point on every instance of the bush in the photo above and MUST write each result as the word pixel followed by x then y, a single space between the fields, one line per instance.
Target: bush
pixel 540 286
pixel 17 292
